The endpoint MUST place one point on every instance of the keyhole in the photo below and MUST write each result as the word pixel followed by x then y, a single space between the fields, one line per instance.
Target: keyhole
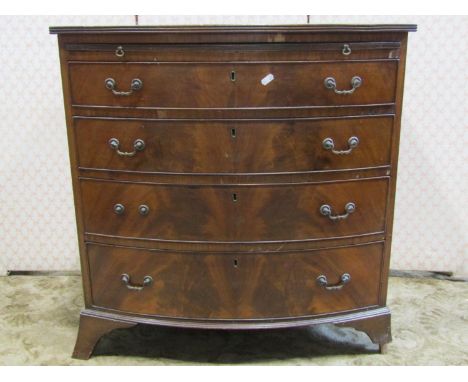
pixel 233 76
pixel 233 133
pixel 234 197
pixel 236 263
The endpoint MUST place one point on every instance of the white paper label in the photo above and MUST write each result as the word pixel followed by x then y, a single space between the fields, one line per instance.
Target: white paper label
pixel 267 79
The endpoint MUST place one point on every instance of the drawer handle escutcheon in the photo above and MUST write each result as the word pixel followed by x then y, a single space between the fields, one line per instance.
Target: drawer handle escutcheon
pixel 326 210
pixel 330 83
pixel 322 281
pixel 147 281
pixel 135 85
pixel 143 209
pixel 138 145
pixel 329 144
pixel 119 209
pixel 119 51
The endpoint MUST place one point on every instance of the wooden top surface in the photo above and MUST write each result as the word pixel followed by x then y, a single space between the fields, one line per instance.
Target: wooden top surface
pixel 297 28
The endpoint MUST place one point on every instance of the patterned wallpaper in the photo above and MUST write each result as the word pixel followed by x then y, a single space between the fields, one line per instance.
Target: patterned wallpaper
pixel 37 227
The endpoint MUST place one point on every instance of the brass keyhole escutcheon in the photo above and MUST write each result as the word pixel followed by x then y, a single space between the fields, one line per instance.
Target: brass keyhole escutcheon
pixel 234 197
pixel 233 75
pixel 233 133
pixel 236 263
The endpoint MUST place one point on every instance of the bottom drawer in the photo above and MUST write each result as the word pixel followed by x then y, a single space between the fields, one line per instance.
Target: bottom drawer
pixel 235 286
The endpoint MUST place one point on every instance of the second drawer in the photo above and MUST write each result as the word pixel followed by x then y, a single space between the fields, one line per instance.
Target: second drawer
pixel 234 213
pixel 234 146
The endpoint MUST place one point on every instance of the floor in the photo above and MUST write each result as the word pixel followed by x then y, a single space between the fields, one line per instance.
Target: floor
pixel 39 321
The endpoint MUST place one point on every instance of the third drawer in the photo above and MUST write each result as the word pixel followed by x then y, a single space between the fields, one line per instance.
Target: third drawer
pixel 235 213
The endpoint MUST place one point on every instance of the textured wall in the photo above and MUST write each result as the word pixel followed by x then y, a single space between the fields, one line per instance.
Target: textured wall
pixel 37 228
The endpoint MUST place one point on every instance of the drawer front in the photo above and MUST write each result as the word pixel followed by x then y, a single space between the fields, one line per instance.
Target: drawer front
pixel 234 213
pixel 240 286
pixel 233 147
pixel 232 52
pixel 232 85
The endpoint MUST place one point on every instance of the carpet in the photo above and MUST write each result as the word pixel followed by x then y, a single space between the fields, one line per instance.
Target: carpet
pixel 39 320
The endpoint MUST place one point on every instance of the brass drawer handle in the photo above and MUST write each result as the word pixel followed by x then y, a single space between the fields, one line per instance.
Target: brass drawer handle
pixel 135 85
pixel 125 278
pixel 329 144
pixel 138 145
pixel 326 210
pixel 322 281
pixel 346 51
pixel 330 83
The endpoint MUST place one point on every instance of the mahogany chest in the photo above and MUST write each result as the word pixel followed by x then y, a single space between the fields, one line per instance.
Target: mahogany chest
pixel 233 177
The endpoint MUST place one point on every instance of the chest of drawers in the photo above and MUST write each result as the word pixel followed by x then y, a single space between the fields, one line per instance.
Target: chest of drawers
pixel 233 177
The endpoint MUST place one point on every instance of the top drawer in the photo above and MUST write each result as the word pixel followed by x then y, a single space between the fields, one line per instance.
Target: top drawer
pixel 233 85
pixel 320 51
